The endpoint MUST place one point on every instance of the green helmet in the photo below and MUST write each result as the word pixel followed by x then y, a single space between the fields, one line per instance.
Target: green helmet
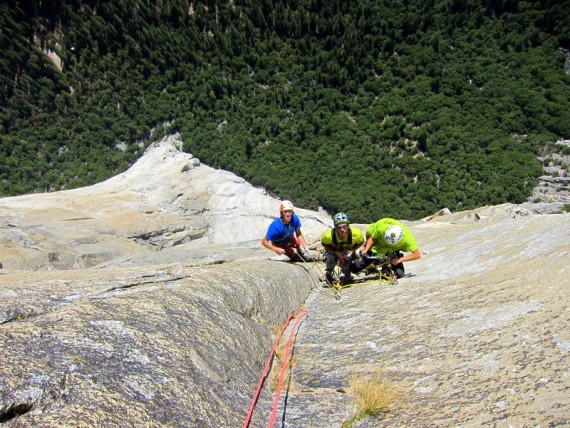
pixel 340 218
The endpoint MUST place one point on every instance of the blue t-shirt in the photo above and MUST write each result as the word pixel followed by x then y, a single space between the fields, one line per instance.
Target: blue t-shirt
pixel 279 233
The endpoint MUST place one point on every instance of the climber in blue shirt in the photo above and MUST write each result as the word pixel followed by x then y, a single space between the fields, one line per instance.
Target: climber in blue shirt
pixel 284 234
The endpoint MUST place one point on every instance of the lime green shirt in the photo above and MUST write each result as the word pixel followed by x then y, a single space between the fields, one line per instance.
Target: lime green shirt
pixel 381 247
pixel 343 245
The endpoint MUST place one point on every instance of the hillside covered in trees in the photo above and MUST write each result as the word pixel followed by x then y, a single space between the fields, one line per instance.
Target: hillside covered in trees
pixel 377 108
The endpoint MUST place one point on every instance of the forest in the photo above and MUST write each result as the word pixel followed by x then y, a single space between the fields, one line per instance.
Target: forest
pixel 373 107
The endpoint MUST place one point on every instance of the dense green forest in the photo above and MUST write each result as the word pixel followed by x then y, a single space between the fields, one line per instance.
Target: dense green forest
pixel 373 107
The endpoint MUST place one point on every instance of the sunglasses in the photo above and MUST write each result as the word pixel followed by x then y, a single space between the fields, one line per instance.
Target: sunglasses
pixel 342 226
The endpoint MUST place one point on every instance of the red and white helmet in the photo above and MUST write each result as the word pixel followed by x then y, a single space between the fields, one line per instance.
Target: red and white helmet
pixel 285 206
pixel 394 234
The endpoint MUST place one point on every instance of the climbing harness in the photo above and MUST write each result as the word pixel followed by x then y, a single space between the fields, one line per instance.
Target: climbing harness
pixel 348 242
pixel 381 273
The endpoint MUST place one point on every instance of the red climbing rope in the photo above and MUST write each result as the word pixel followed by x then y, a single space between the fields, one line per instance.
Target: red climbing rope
pixel 284 365
pixel 268 365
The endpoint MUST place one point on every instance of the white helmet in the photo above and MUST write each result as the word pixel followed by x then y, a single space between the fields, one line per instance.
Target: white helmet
pixel 285 206
pixel 394 234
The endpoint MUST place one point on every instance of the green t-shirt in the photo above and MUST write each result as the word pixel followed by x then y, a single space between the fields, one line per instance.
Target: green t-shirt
pixel 343 245
pixel 381 247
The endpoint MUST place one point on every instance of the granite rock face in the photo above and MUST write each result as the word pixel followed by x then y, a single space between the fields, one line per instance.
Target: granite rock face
pixel 165 208
pixel 476 334
pixel 147 300
pixel 163 345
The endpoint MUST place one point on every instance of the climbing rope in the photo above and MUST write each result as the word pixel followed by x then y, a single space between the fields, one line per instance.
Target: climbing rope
pixel 301 314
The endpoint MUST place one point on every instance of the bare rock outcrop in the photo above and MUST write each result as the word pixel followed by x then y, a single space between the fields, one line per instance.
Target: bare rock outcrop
pixel 167 207
pixel 553 190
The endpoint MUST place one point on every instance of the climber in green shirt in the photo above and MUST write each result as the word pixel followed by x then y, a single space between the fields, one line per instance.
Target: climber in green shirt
pixel 389 237
pixel 340 244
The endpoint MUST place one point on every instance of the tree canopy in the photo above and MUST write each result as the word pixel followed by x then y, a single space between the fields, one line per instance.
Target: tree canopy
pixel 376 108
